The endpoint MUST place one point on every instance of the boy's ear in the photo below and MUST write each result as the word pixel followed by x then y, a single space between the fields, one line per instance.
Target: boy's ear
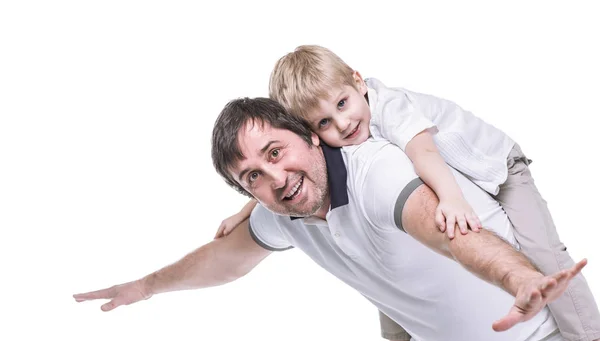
pixel 360 83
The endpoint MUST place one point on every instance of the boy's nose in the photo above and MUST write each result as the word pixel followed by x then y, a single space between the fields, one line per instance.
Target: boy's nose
pixel 342 124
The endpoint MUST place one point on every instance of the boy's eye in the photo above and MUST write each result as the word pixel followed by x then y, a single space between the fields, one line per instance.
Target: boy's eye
pixel 341 104
pixel 323 122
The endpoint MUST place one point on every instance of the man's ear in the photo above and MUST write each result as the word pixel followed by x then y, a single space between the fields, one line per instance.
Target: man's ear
pixel 359 83
pixel 315 139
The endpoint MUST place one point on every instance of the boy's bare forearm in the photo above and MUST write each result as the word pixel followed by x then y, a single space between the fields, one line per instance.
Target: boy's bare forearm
pixel 431 167
pixel 484 254
pixel 218 262
pixel 247 209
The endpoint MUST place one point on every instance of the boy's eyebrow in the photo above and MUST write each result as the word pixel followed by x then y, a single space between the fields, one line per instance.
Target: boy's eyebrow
pixel 339 95
pixel 263 150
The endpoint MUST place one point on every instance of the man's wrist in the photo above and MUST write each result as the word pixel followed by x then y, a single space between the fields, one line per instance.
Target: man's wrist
pixel 513 280
pixel 147 285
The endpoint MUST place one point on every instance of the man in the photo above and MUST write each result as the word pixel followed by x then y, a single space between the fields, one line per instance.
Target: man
pixel 362 209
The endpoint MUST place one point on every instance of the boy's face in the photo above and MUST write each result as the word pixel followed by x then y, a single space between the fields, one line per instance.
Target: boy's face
pixel 343 118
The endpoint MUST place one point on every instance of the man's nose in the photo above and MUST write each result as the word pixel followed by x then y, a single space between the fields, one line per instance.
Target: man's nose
pixel 277 175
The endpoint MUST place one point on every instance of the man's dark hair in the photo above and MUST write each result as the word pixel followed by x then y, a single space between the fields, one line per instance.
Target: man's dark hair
pixel 225 145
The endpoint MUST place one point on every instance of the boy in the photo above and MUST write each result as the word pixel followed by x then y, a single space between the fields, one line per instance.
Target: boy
pixel 343 109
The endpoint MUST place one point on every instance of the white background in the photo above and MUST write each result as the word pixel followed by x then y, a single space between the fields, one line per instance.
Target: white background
pixel 105 171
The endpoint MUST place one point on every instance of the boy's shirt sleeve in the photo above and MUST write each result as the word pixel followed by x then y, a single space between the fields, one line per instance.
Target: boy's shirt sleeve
pixel 397 119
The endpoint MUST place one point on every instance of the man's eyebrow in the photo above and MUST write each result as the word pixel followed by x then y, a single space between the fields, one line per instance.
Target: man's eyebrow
pixel 262 151
pixel 266 147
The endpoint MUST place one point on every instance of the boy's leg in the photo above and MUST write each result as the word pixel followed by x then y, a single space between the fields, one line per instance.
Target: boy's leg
pixel 576 312
pixel 391 330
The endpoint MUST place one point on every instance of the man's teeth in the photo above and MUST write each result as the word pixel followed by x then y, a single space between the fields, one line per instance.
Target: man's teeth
pixel 294 189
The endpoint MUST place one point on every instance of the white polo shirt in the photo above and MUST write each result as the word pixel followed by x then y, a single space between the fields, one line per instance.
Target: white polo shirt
pixel 430 296
pixel 467 143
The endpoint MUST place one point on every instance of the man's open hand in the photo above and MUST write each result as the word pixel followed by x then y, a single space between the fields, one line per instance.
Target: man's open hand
pixel 118 295
pixel 534 294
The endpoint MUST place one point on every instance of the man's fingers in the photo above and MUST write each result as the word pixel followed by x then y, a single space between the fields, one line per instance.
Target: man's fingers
pixel 576 269
pixel 94 295
pixel 533 300
pixel 508 321
pixel 562 276
pixel 111 305
pixel 547 287
pixel 566 275
pixel 521 311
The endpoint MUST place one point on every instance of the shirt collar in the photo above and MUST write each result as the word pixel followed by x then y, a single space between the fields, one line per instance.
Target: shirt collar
pixel 337 176
pixel 372 96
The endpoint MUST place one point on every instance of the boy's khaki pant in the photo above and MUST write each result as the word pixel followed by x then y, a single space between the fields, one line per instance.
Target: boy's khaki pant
pixel 575 312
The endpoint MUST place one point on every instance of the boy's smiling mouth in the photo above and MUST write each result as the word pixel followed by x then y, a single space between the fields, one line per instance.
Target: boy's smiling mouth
pixel 354 132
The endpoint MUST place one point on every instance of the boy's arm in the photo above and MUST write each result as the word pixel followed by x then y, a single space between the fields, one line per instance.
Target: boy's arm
pixel 218 262
pixel 433 170
pixel 402 122
pixel 232 222
pixel 247 209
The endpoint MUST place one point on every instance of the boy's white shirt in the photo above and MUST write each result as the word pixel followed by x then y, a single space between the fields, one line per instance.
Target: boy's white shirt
pixel 467 143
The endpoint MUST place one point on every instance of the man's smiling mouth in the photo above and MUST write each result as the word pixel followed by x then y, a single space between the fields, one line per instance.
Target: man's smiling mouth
pixel 294 191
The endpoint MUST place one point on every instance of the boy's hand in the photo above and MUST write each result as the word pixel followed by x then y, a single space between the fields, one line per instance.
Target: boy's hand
pixel 229 225
pixel 534 294
pixel 450 213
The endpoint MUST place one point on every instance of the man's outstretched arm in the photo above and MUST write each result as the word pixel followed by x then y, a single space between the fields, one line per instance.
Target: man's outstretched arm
pixel 487 256
pixel 218 262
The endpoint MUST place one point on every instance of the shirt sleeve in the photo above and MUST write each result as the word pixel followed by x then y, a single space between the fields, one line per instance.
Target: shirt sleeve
pixel 386 186
pixel 265 230
pixel 397 119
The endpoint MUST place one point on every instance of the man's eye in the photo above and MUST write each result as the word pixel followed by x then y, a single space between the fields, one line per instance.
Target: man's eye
pixel 275 153
pixel 341 104
pixel 253 176
pixel 323 122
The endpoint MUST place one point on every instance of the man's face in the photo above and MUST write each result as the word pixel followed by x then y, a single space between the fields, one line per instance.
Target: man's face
pixel 284 173
pixel 343 117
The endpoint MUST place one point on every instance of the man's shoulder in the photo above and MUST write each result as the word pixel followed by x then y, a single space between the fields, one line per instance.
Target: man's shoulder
pixel 372 149
pixel 368 161
pixel 269 230
pixel 262 215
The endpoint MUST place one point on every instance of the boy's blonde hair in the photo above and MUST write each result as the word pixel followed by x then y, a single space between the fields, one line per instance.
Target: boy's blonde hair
pixel 306 75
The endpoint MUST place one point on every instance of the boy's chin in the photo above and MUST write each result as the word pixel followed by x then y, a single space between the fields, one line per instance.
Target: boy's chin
pixel 334 143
